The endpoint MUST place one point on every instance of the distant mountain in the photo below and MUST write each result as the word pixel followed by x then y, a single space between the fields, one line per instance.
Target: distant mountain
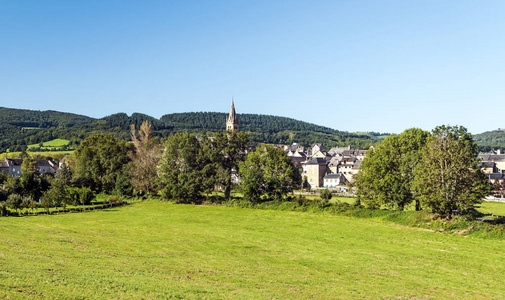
pixel 19 128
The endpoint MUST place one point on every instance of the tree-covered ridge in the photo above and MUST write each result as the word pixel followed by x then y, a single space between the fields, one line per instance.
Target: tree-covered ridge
pixel 270 129
pixel 490 140
pixel 248 122
pixel 15 136
pixel 40 119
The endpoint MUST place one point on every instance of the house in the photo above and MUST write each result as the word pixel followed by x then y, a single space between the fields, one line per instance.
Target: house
pixel 488 167
pixel 494 177
pixel 297 159
pixel 315 170
pixel 322 154
pixel 497 159
pixel 12 166
pixel 333 180
pixel 339 150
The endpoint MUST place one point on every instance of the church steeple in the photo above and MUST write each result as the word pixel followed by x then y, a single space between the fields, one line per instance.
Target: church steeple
pixel 232 120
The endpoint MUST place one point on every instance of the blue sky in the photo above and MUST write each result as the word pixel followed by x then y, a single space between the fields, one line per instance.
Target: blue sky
pixel 350 65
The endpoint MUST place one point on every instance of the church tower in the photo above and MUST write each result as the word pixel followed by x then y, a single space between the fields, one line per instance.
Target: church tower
pixel 232 120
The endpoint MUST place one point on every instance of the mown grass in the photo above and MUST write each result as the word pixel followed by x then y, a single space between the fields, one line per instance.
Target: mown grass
pixel 490 207
pixel 51 144
pixel 156 250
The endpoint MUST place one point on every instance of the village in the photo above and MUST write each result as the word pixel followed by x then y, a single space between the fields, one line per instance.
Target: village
pixel 333 169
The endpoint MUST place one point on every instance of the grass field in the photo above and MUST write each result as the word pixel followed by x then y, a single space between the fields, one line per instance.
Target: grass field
pixel 42 154
pixel 490 207
pixel 51 145
pixel 156 250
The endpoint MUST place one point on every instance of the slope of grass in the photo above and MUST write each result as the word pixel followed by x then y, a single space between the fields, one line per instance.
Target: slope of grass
pixel 51 144
pixel 155 250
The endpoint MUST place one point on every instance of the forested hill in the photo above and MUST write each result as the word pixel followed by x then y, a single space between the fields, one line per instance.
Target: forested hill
pixel 40 119
pixel 248 122
pixel 19 128
pixel 270 129
pixel 491 140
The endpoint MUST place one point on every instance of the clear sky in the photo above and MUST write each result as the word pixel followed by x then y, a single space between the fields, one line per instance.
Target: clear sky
pixel 350 65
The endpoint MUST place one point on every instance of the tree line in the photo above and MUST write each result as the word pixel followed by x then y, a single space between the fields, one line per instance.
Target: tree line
pixel 23 127
pixel 437 171
pixel 186 168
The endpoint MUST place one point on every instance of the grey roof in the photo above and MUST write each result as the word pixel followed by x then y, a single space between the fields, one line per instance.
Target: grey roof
pixel 487 164
pixel 491 157
pixel 317 161
pixel 43 163
pixel 495 176
pixel 330 176
pixel 15 161
pixel 338 150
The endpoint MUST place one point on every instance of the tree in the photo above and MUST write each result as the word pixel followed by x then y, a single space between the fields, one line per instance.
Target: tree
pixel 386 174
pixel 86 195
pixel 33 185
pixel 181 169
pixel 227 150
pixel 57 194
pixel 145 158
pixel 123 185
pixel 14 201
pixel 268 172
pixel 29 165
pixel 26 203
pixel 99 160
pixel 448 177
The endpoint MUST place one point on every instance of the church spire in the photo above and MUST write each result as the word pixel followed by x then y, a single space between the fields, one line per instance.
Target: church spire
pixel 232 120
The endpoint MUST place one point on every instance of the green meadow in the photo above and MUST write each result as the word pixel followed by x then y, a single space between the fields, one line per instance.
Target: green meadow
pixel 156 250
pixel 52 145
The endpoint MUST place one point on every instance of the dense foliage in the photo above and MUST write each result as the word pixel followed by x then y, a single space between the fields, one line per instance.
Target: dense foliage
pixel 268 174
pixel 100 159
pixel 385 176
pixel 440 172
pixel 181 168
pixel 191 165
pixel 448 177
pixel 16 135
pixel 490 140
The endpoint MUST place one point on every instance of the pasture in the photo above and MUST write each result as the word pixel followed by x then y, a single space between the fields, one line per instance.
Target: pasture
pixel 155 250
pixel 53 145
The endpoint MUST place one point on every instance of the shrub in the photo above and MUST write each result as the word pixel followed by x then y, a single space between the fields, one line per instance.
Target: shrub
pixel 326 195
pixel 3 209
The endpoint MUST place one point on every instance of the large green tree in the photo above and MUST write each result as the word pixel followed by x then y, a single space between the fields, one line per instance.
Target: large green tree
pixel 268 173
pixel 448 177
pixel 386 174
pixel 99 160
pixel 226 150
pixel 180 169
pixel 57 194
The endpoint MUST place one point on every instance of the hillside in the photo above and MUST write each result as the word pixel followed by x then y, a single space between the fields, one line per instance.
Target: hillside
pixel 269 129
pixel 19 128
pixel 490 140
